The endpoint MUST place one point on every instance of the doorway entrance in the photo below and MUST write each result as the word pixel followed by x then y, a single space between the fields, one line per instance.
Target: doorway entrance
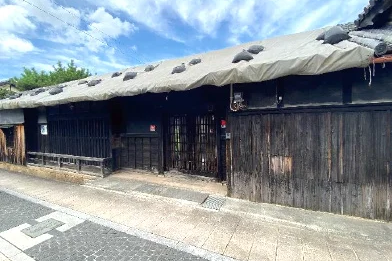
pixel 192 144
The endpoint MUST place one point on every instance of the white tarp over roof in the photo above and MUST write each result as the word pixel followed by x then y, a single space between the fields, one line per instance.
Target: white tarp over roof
pixel 297 54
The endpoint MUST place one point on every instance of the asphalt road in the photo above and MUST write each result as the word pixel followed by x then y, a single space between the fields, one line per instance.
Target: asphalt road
pixel 77 239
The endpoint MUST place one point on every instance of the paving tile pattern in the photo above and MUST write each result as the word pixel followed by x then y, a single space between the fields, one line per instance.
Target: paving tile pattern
pixel 15 211
pixel 169 192
pixel 90 241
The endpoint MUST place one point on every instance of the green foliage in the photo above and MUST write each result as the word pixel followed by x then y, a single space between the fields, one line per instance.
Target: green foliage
pixel 4 92
pixel 31 79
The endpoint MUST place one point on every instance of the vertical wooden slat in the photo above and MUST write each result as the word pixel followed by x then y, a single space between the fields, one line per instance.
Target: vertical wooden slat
pixel 330 161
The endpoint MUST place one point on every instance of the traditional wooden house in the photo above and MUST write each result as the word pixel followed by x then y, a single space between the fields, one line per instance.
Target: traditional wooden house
pixel 293 121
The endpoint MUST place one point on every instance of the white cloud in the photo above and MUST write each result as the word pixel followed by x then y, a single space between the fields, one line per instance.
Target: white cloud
pixel 14 21
pixel 14 18
pixel 251 18
pixel 104 26
pixel 64 25
pixel 49 14
pixel 102 21
pixel 10 43
pixel 22 23
pixel 189 22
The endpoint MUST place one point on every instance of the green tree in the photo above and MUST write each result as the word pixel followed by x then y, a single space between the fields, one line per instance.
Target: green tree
pixel 31 79
pixel 4 92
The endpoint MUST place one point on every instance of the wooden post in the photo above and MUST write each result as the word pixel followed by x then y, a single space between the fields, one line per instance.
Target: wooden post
pixel 161 145
pixel 79 165
pixel 218 144
pixel 103 168
pixel 59 162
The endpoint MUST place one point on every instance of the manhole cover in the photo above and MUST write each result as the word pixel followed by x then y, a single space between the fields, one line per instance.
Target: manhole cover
pixel 214 202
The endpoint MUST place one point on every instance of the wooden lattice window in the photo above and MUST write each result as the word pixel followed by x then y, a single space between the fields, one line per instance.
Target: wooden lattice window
pixel 192 143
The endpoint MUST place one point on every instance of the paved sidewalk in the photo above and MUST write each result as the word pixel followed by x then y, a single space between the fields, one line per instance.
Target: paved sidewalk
pixel 241 230
pixel 51 232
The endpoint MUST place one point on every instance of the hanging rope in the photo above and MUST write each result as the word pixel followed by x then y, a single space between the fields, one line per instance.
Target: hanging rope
pixel 370 76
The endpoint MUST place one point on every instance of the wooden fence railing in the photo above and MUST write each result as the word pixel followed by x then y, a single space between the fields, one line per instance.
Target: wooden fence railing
pixel 95 166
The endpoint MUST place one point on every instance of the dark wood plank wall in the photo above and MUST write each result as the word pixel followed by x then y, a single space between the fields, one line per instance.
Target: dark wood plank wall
pixel 337 161
pixel 86 136
pixel 79 129
pixel 140 152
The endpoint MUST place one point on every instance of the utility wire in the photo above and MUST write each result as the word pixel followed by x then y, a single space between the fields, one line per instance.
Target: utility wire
pixel 102 41
pixel 80 17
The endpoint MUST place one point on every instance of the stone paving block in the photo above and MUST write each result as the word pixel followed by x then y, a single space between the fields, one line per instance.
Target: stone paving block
pixel 174 230
pixel 217 241
pixel 183 194
pixel 22 241
pixel 366 252
pixel 229 223
pixel 287 252
pixel 89 241
pixel 239 246
pixel 385 250
pixel 259 231
pixel 7 249
pixel 266 230
pixel 129 219
pixel 262 251
pixel 310 254
pixel 147 188
pixel 68 221
pixel 15 212
pixel 42 227
pixel 199 234
pixel 342 253
pixel 151 222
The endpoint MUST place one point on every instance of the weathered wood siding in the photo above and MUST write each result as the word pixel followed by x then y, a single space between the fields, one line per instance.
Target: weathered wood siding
pixel 337 161
pixel 140 152
pixel 80 129
pixel 15 154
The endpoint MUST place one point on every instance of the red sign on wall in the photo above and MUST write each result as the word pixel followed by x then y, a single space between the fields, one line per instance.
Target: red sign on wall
pixel 223 124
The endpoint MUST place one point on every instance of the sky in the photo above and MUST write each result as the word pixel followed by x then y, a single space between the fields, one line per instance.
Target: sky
pixel 106 36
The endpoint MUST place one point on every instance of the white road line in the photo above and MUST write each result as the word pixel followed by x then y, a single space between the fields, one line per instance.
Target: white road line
pixel 21 257
pixel 70 221
pixel 11 252
pixel 7 249
pixel 22 241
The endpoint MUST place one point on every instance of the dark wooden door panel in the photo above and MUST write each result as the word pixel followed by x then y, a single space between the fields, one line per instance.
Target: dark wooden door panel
pixel 192 144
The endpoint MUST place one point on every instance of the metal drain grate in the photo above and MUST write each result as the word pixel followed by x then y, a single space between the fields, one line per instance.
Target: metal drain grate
pixel 214 202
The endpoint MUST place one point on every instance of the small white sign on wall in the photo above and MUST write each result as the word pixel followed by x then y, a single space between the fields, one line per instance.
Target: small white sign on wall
pixel 44 129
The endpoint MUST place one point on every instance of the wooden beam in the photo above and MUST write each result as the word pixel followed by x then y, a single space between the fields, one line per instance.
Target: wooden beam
pixel 383 59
